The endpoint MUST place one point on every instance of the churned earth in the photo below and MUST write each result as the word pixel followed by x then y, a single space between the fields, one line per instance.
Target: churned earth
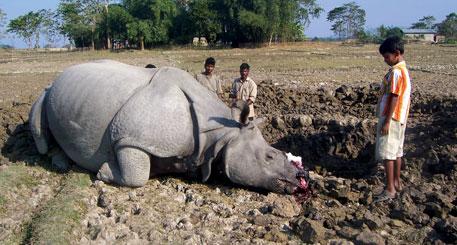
pixel 317 101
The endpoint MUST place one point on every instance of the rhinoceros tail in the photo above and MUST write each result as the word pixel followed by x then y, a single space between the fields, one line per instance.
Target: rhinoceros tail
pixel 39 125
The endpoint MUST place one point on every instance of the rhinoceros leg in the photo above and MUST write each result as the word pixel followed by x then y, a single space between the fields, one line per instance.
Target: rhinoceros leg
pixel 39 125
pixel 60 160
pixel 132 168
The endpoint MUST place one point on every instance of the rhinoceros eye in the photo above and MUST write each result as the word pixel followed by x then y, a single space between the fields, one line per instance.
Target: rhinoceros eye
pixel 270 155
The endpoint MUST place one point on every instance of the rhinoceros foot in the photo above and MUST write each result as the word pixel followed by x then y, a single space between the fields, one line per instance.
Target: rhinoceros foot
pixel 131 169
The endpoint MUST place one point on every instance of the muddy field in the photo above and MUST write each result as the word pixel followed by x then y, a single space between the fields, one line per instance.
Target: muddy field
pixel 318 102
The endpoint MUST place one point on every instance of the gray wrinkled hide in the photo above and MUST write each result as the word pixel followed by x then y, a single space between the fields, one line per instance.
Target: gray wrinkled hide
pixel 126 123
pixel 95 107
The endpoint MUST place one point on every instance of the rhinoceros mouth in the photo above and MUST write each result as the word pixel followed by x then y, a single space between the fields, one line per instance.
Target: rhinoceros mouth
pixel 293 188
pixel 301 190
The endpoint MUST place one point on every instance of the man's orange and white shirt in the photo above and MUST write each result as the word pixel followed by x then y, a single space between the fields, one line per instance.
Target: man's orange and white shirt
pixel 397 82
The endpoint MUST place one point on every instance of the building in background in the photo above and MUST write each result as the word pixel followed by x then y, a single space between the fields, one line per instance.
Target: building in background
pixel 427 35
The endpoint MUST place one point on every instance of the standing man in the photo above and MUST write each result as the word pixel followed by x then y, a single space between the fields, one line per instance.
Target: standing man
pixel 209 80
pixel 244 88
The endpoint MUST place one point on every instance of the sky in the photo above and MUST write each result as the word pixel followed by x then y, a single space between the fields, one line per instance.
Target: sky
pixel 401 13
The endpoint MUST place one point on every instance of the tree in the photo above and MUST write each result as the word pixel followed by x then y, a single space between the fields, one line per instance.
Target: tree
pixel 90 13
pixel 28 27
pixel 203 19
pixel 2 22
pixel 155 17
pixel 348 20
pixel 448 27
pixel 295 16
pixel 427 22
pixel 74 24
pixel 389 31
pixel 49 26
pixel 140 31
pixel 262 20
pixel 117 22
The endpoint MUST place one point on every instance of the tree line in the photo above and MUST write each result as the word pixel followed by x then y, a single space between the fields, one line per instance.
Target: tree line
pixel 148 23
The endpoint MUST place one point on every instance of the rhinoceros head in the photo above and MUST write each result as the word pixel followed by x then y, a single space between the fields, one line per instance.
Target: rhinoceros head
pixel 249 160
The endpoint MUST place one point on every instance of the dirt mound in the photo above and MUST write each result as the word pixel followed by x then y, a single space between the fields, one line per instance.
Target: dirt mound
pixel 334 132
pixel 331 129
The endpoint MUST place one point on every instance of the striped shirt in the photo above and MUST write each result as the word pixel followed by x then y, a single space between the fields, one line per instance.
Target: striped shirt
pixel 397 82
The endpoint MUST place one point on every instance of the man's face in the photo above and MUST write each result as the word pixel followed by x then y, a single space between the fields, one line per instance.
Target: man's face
pixel 391 58
pixel 209 68
pixel 244 74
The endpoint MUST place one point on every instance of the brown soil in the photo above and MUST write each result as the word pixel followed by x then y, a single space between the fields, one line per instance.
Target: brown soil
pixel 318 102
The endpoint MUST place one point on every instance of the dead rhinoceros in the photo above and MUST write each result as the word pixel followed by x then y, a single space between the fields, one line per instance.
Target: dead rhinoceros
pixel 126 123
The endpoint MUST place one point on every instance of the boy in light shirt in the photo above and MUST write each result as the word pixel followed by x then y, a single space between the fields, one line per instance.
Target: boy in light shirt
pixel 392 110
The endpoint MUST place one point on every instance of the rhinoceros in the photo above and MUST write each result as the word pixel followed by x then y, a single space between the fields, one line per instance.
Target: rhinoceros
pixel 127 123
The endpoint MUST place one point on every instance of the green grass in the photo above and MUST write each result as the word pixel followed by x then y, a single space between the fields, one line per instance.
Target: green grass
pixel 16 175
pixel 55 223
pixel 13 177
pixel 2 204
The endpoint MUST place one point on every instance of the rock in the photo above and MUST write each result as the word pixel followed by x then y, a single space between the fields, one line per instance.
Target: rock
pixel 443 200
pixel 278 123
pixel 343 91
pixel 372 221
pixel 103 200
pixel 132 196
pixel 339 242
pixel 434 210
pixel 367 198
pixel 184 224
pixel 305 120
pixel 405 210
pixel 352 196
pixel 338 214
pixel 342 194
pixel 369 238
pixel 332 203
pixel 276 236
pixel 448 228
pixel 310 231
pixel 396 223
pixel 347 232
pixel 418 236
pixel 262 220
pixel 286 207
pixel 416 195
pixel 98 184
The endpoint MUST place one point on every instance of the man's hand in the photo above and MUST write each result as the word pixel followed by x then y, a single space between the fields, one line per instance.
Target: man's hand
pixel 249 101
pixel 385 127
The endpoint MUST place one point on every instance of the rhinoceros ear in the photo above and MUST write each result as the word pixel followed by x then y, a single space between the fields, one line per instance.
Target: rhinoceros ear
pixel 214 152
pixel 244 113
pixel 240 111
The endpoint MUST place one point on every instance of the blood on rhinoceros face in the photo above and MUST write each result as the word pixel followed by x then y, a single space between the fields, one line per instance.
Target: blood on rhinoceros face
pixel 250 161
